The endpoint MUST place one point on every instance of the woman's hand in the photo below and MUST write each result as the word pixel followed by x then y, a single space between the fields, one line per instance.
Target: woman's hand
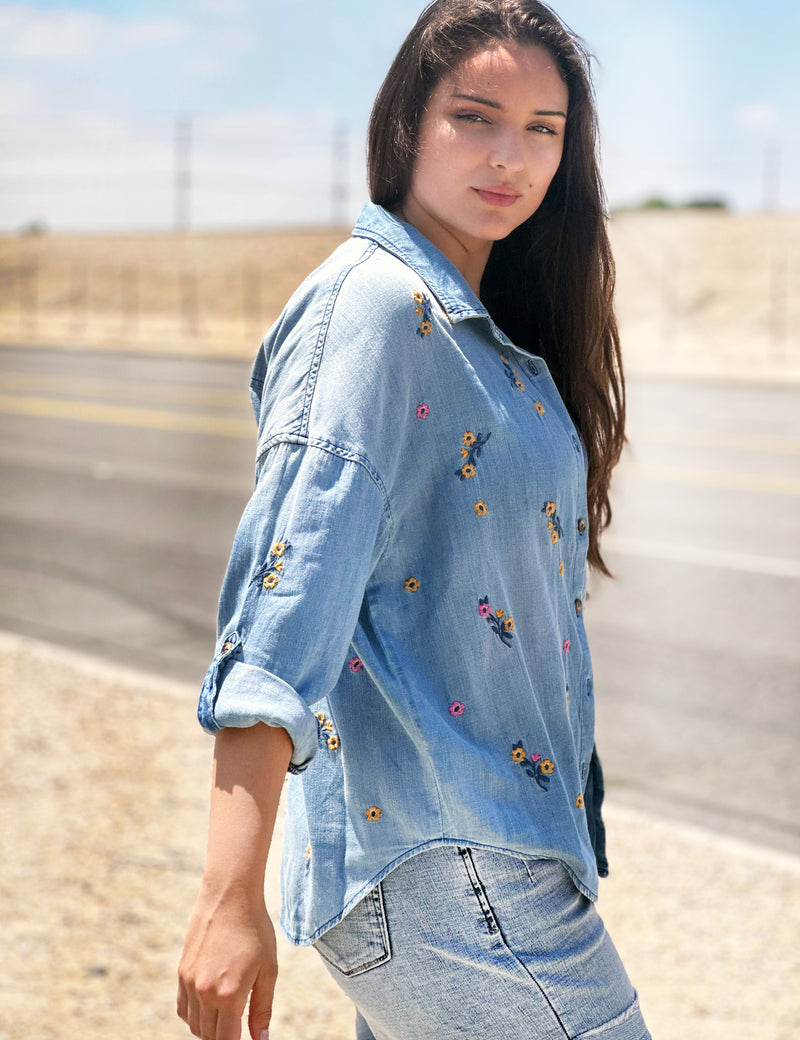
pixel 228 954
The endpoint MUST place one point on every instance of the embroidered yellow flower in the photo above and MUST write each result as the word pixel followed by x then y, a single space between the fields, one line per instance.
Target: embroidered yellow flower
pixel 425 327
pixel 554 537
pixel 279 548
pixel 504 359
pixel 329 725
pixel 321 718
pixel 546 767
pixel 549 508
pixel 308 852
pixel 373 813
pixel 550 525
pixel 468 470
pixel 499 613
pixel 518 754
pixel 279 566
pixel 464 452
pixel 411 585
pixel 270 581
pixel 579 801
pixel 561 568
pixel 539 407
pixel 333 742
pixel 418 297
pixel 508 624
pixel 469 438
pixel 519 384
pixel 481 508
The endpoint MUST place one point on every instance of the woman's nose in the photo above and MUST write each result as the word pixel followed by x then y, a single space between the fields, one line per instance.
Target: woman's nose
pixel 507 152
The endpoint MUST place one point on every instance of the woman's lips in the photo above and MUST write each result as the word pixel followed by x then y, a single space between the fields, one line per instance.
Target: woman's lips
pixel 498 195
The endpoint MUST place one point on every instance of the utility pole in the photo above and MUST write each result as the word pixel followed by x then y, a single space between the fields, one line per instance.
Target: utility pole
pixel 339 167
pixel 772 174
pixel 183 173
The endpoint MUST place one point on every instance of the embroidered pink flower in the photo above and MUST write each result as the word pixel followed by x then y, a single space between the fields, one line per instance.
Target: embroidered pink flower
pixel 536 757
pixel 484 610
pixel 356 664
pixel 423 411
pixel 567 645
pixel 456 709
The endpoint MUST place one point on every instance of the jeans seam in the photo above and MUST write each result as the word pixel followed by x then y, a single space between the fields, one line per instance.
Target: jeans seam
pixel 495 929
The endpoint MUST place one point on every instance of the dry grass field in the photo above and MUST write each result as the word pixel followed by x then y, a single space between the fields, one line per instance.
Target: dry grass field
pixel 698 292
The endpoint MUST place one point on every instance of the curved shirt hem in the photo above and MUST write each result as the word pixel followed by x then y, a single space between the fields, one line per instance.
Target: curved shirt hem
pixel 299 939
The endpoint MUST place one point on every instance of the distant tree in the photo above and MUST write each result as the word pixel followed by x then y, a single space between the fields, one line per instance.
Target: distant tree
pixel 708 203
pixel 33 228
pixel 655 202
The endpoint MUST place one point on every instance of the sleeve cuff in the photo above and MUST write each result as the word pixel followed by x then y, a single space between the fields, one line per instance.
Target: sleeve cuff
pixel 238 695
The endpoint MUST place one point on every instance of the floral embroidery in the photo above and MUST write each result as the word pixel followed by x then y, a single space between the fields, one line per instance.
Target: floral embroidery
pixel 411 585
pixel 373 813
pixel 568 698
pixel 273 573
pixel 567 645
pixel 561 568
pixel 321 717
pixel 456 709
pixel 423 309
pixel 481 508
pixel 333 742
pixel 579 801
pixel 539 407
pixel 356 664
pixel 553 523
pixel 308 852
pixel 538 769
pixel 502 626
pixel 512 374
pixel 423 411
pixel 329 725
pixel 473 446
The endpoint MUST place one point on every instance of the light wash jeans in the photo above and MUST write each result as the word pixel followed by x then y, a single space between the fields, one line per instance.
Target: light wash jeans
pixel 460 942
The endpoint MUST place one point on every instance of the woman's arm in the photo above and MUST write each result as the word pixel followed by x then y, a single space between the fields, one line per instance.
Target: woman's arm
pixel 229 950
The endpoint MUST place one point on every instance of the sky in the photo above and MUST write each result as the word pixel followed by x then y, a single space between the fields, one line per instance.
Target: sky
pixel 270 101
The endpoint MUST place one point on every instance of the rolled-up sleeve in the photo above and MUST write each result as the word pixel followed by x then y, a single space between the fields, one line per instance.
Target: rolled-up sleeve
pixel 302 556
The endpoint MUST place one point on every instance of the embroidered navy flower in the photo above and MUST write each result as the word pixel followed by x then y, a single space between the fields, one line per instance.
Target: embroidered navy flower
pixel 538 768
pixel 502 626
pixel 553 523
pixel 272 575
pixel 423 309
pixel 474 443
pixel 512 373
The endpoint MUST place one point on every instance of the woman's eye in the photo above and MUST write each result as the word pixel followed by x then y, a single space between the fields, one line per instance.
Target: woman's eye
pixel 540 128
pixel 470 117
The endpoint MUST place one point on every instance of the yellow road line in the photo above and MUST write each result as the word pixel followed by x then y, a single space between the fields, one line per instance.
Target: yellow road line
pixel 712 478
pixel 127 389
pixel 124 415
pixel 693 438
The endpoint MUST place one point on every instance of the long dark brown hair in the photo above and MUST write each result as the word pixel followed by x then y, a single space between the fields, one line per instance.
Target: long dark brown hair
pixel 549 285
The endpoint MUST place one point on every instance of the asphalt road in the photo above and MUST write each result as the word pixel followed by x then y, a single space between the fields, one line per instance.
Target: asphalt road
pixel 122 479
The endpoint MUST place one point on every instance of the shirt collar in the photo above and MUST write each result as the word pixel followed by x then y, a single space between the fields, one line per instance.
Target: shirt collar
pixel 443 279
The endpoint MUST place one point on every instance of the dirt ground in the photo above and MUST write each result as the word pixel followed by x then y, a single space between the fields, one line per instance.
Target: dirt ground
pixel 103 791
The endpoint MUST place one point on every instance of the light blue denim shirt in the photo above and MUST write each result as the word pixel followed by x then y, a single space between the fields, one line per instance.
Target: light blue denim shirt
pixel 405 590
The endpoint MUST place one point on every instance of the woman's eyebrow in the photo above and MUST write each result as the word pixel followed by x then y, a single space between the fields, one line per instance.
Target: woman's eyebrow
pixel 496 104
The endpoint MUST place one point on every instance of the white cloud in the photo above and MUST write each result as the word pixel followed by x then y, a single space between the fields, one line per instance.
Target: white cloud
pixel 757 116
pixel 31 34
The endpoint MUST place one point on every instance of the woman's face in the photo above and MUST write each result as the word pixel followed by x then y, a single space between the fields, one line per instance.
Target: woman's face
pixel 490 143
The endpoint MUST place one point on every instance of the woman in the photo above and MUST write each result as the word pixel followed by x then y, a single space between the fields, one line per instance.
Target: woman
pixel 440 407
